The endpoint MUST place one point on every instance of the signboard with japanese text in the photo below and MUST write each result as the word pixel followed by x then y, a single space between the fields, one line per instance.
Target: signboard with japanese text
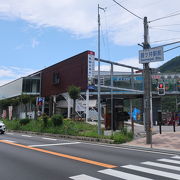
pixel 91 66
pixel 151 55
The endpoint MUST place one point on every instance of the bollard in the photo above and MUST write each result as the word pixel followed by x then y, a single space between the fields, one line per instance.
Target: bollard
pixel 160 128
pixel 174 126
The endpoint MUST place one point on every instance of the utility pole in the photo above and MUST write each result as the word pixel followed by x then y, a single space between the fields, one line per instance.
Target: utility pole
pixel 99 88
pixel 147 87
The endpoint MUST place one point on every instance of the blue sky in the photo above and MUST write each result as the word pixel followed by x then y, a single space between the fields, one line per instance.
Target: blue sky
pixel 35 33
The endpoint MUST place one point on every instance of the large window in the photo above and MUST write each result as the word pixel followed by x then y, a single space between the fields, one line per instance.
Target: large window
pixel 31 85
pixel 56 78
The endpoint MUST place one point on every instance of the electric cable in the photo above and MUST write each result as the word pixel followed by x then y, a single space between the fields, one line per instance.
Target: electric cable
pixel 166 25
pixel 128 10
pixel 165 40
pixel 164 29
pixel 168 16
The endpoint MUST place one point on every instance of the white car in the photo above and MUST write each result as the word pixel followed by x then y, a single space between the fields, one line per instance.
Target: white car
pixel 2 127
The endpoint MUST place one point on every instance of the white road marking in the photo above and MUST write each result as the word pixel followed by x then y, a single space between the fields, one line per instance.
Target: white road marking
pixel 153 171
pixel 26 135
pixel 169 161
pixel 58 144
pixel 50 139
pixel 10 141
pixel 83 177
pixel 10 133
pixel 176 157
pixel 116 147
pixel 161 165
pixel 122 175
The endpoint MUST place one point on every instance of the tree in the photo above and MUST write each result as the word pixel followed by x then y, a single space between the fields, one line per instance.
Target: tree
pixel 4 103
pixel 74 93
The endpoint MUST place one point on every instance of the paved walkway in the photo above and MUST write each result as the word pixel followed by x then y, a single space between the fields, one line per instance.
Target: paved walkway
pixel 166 140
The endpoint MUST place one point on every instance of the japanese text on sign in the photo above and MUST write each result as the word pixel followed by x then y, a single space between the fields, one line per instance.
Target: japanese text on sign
pixel 91 64
pixel 151 55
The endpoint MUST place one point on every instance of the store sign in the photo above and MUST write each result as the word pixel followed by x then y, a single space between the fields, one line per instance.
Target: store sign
pixel 40 101
pixel 151 55
pixel 91 65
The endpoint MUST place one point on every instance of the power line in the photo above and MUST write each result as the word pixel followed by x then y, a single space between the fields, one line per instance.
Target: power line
pixel 165 40
pixel 164 29
pixel 166 25
pixel 168 16
pixel 107 35
pixel 128 10
pixel 172 48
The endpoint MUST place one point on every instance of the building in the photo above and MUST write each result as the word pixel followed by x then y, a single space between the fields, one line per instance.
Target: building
pixel 52 84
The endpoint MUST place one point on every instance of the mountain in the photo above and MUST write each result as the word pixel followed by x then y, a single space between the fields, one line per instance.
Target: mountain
pixel 171 66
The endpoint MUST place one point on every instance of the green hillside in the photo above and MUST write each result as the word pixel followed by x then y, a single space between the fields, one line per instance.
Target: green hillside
pixel 171 66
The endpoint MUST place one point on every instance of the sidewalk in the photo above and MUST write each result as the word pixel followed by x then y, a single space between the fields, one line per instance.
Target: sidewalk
pixel 166 141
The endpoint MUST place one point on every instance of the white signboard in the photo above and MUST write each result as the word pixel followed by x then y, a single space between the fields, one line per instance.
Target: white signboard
pixel 151 55
pixel 91 64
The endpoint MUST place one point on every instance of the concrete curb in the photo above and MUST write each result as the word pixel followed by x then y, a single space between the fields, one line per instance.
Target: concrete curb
pixel 82 138
pixel 161 150
pixel 102 141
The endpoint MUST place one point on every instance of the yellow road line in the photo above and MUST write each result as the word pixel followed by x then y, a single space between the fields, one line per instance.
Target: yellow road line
pixel 61 155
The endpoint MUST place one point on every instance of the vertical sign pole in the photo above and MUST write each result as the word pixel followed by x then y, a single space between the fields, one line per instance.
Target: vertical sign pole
pixel 69 107
pixel 112 126
pixel 87 105
pixel 131 108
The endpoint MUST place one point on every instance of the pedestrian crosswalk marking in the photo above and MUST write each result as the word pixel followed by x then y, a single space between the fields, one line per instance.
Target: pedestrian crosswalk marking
pixel 83 177
pixel 169 161
pixel 162 165
pixel 122 175
pixel 176 157
pixel 153 171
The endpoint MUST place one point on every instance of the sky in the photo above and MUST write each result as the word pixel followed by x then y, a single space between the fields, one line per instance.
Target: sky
pixel 35 34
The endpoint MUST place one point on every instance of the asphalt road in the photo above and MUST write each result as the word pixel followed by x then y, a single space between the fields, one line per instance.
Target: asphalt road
pixel 27 157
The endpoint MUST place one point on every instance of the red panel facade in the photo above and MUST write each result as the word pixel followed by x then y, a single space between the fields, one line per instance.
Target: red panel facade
pixel 57 78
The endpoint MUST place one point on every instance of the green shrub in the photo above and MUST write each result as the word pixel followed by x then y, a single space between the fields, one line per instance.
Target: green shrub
pixel 45 120
pixel 57 119
pixel 122 136
pixel 12 124
pixel 119 138
pixel 24 121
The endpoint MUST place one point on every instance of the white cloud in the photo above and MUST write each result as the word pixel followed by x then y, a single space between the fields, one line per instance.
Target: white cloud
pixel 20 46
pixel 11 73
pixel 79 17
pixel 34 43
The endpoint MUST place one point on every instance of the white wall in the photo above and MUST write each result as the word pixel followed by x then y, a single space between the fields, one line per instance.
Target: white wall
pixel 11 89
